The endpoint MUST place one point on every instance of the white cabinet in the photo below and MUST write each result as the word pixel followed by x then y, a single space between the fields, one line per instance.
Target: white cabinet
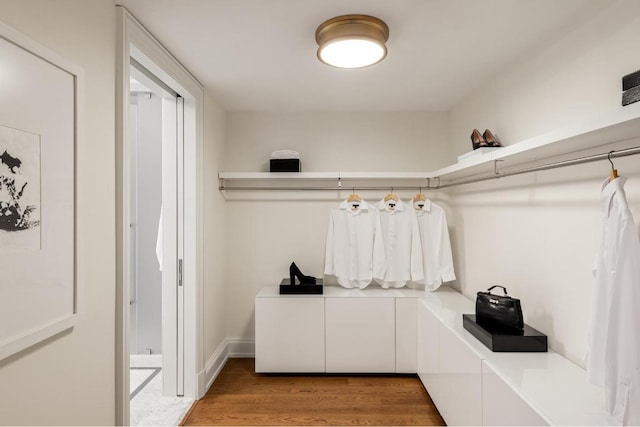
pixel 344 330
pixel 406 333
pixel 471 385
pixel 449 370
pixel 460 373
pixel 360 335
pixel 428 350
pixel 501 406
pixel 290 334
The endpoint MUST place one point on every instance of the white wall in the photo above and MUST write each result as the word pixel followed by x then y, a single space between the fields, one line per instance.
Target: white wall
pixel 265 236
pixel 537 234
pixel 572 77
pixel 215 230
pixel 329 141
pixel 69 379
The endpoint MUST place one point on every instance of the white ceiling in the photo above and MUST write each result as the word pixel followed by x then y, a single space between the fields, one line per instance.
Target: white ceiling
pixel 260 55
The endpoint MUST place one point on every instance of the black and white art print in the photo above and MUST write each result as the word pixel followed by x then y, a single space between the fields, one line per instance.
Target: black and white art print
pixel 40 106
pixel 19 190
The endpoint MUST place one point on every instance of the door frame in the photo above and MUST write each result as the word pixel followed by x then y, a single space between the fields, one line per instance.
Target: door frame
pixel 134 41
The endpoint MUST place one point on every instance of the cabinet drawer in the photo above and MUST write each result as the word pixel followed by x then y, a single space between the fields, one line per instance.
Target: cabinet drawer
pixel 501 406
pixel 461 373
pixel 406 335
pixel 360 335
pixel 449 370
pixel 428 344
pixel 290 334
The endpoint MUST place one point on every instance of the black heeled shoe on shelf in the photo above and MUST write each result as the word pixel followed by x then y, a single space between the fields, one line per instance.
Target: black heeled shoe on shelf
pixel 492 140
pixel 294 272
pixel 477 140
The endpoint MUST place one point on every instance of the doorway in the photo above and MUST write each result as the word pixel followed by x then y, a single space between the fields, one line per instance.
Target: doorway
pixel 182 98
pixel 155 145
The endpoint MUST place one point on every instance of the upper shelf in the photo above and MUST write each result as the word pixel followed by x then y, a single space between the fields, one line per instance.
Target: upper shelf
pixel 607 129
pixel 615 130
pixel 252 176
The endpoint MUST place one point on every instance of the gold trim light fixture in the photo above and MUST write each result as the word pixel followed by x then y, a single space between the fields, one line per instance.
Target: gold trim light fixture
pixel 352 41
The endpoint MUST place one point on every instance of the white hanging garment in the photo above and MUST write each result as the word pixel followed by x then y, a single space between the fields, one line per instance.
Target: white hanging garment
pixel 159 242
pixel 613 356
pixel 401 243
pixel 353 243
pixel 437 260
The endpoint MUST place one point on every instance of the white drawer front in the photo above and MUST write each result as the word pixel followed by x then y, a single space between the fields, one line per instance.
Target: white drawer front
pixel 360 334
pixel 290 335
pixel 406 335
pixel 501 406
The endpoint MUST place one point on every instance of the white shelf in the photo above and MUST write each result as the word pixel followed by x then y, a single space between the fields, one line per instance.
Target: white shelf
pixel 616 130
pixel 251 176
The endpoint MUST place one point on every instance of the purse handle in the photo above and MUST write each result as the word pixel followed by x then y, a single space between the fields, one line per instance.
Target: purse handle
pixel 498 286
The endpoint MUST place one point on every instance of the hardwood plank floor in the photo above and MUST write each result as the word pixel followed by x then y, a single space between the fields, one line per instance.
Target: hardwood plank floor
pixel 239 396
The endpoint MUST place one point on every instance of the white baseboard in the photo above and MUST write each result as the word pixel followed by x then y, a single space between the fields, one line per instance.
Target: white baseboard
pixel 229 348
pixel 241 347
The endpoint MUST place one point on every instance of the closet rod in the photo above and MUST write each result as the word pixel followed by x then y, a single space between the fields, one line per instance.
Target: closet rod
pixel 581 160
pixel 357 188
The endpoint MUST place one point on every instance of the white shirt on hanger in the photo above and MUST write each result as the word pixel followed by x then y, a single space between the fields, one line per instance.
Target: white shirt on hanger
pixel 401 242
pixel 436 246
pixel 354 245
pixel 613 357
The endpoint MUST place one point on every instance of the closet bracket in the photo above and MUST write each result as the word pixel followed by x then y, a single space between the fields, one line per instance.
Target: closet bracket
pixel 495 168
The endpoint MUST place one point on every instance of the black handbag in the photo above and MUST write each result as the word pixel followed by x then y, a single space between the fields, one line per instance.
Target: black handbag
pixel 498 313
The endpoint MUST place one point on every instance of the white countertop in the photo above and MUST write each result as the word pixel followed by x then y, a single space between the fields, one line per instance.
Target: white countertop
pixel 333 291
pixel 553 386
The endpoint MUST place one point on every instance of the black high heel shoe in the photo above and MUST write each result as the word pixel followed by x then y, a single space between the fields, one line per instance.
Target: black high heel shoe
pixel 294 272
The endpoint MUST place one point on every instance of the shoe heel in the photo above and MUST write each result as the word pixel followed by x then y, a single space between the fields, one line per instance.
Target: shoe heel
pixel 292 274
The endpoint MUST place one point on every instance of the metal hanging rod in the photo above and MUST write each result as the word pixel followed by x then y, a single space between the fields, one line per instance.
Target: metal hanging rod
pixel 431 186
pixel 573 162
pixel 350 188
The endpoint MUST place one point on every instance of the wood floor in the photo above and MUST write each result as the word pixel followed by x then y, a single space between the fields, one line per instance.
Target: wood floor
pixel 239 396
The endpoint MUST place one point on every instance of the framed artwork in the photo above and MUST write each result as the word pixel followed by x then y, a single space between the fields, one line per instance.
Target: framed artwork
pixel 38 136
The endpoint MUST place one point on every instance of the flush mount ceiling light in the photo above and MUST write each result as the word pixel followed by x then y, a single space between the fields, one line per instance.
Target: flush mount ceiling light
pixel 352 41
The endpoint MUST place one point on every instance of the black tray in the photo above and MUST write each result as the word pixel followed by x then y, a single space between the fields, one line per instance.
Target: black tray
pixel 287 289
pixel 531 341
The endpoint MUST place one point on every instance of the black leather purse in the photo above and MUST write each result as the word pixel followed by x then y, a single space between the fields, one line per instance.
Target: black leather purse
pixel 498 313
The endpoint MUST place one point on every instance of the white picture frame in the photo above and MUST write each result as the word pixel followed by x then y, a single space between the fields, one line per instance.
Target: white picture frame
pixel 39 130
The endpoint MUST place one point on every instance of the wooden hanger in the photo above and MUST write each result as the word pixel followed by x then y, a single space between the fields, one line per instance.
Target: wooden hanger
pixel 354 197
pixel 614 172
pixel 420 197
pixel 391 196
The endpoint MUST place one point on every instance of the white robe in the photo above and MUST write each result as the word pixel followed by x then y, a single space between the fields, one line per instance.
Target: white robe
pixel 613 358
